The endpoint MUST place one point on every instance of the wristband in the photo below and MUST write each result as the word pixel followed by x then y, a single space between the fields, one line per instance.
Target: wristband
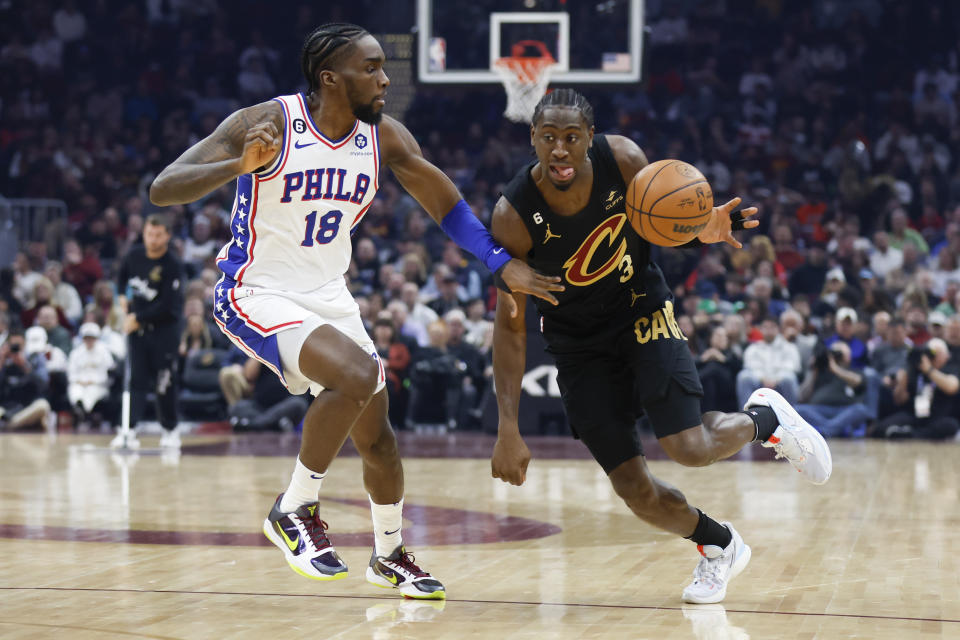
pixel 468 232
pixel 500 282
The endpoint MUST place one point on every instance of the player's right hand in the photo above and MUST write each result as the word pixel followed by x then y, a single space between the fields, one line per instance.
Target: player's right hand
pixel 260 146
pixel 510 459
pixel 521 278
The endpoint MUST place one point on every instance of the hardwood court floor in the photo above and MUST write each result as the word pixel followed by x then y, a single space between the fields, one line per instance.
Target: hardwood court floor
pixel 99 547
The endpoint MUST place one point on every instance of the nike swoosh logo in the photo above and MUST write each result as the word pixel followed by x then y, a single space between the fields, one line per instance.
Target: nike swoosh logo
pixel 390 533
pixel 391 576
pixel 496 251
pixel 315 477
pixel 301 146
pixel 293 545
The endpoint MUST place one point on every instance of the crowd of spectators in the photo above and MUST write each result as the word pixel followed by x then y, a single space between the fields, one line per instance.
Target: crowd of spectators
pixel 838 120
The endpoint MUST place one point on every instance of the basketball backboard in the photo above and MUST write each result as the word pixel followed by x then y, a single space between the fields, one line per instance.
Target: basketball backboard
pixel 592 41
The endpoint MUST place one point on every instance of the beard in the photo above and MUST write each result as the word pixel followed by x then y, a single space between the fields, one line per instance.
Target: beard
pixel 366 113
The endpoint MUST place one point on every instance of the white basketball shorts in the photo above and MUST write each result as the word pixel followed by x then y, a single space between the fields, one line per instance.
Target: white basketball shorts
pixel 271 325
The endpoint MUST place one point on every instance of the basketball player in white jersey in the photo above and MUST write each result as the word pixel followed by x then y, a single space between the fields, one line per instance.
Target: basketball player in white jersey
pixel 307 168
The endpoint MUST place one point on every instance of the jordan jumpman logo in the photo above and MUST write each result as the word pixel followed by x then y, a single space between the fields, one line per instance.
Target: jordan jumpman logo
pixel 549 234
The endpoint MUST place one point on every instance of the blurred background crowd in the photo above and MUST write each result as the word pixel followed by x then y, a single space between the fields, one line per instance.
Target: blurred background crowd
pixel 839 120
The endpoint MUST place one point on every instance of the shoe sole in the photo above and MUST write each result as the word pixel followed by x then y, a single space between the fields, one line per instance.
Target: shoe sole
pixel 796 421
pixel 735 570
pixel 379 581
pixel 272 537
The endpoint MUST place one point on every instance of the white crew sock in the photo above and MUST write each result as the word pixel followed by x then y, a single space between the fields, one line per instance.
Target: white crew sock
pixel 387 521
pixel 303 489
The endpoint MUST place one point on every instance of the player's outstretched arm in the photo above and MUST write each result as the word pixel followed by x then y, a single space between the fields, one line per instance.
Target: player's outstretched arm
pixel 440 198
pixel 247 140
pixel 510 453
pixel 723 221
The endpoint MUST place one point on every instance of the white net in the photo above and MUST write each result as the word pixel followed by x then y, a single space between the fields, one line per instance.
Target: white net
pixel 526 80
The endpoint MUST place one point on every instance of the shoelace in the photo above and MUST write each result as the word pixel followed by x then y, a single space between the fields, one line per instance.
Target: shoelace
pixel 708 569
pixel 406 562
pixel 317 532
pixel 803 445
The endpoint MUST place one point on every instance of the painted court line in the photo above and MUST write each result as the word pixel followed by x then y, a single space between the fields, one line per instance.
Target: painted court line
pixel 498 602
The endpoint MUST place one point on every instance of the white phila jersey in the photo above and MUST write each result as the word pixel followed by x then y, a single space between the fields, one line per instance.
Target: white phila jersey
pixel 292 221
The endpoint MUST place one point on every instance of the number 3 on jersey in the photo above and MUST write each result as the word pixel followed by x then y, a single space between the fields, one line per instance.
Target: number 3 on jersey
pixel 329 226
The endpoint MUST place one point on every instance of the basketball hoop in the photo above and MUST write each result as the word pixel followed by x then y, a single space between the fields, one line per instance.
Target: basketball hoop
pixel 525 78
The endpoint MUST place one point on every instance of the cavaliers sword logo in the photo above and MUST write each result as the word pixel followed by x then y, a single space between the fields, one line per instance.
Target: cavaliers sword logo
pixel 576 268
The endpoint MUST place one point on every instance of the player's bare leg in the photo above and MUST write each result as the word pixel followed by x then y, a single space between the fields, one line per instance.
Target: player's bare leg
pixel 724 554
pixel 391 565
pixel 377 446
pixel 653 500
pixel 719 436
pixel 767 418
pixel 349 377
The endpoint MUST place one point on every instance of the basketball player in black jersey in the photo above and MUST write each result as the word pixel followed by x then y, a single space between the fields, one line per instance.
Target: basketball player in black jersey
pixel 617 345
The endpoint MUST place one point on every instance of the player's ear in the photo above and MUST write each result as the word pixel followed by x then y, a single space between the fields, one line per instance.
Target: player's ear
pixel 533 129
pixel 328 78
pixel 590 136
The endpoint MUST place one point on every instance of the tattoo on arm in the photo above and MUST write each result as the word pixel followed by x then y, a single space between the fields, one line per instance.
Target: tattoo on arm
pixel 226 141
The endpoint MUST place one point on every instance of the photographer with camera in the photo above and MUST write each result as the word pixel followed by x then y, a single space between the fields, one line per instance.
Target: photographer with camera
pixel 931 386
pixel 23 380
pixel 835 397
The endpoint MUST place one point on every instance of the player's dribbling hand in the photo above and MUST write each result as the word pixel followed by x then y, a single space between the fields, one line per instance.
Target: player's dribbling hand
pixel 521 278
pixel 510 459
pixel 260 146
pixel 724 221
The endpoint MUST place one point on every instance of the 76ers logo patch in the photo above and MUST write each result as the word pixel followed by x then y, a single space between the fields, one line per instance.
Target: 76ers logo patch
pixel 360 140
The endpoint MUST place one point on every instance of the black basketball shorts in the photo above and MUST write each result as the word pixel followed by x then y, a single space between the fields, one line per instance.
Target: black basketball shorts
pixel 605 388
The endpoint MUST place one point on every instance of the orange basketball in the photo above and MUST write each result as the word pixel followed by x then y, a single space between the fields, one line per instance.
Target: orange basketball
pixel 669 202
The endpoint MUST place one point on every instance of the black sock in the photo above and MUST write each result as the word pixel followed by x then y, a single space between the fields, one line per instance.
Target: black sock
pixel 710 532
pixel 765 421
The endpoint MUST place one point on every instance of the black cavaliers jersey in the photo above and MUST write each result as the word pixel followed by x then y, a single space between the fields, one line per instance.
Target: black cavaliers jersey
pixel 605 265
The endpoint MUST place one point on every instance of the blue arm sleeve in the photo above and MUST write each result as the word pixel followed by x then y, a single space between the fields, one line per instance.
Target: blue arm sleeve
pixel 468 232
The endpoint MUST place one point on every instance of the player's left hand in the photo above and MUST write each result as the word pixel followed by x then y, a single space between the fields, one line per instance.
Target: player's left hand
pixel 521 278
pixel 724 221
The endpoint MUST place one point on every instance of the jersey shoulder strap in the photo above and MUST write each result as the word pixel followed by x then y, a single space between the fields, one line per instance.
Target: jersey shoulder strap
pixel 606 162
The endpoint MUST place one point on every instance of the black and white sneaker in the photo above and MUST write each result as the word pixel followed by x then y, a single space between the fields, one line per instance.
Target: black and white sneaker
pixel 398 571
pixel 302 536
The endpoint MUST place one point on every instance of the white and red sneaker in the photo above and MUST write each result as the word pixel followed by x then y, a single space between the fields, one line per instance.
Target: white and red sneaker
pixel 716 568
pixel 795 439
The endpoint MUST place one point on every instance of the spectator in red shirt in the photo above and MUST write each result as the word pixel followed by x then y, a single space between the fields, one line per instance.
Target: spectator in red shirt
pixel 81 267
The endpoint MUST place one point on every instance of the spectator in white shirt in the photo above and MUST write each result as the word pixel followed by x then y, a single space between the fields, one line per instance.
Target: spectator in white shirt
pixel 772 362
pixel 418 314
pixel 68 23
pixel 88 372
pixel 65 294
pixel 884 258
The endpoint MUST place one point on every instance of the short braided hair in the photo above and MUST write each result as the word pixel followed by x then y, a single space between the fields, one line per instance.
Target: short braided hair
pixel 321 46
pixel 564 98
